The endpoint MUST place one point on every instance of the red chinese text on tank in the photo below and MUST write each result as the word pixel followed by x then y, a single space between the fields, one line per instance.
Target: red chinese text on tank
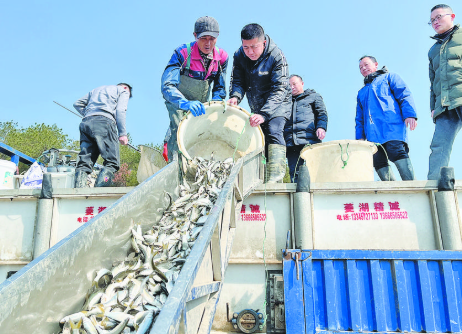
pixel 253 215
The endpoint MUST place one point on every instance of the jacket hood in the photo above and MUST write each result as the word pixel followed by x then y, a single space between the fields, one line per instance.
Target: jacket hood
pixel 442 37
pixel 305 93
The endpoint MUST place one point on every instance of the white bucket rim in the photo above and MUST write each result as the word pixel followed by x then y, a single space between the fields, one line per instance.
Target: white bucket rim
pixel 364 143
pixel 210 104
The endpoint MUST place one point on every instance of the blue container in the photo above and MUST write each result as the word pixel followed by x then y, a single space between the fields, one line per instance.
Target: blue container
pixel 381 291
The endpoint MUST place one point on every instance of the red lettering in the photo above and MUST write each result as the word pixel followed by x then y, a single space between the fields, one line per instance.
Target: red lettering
pixel 378 206
pixel 89 210
pixel 364 207
pixel 254 208
pixel 101 209
pixel 243 209
pixel 394 206
pixel 79 220
pixel 349 207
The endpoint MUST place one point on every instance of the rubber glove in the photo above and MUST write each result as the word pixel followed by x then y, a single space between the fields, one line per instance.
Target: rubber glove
pixel 165 152
pixel 195 107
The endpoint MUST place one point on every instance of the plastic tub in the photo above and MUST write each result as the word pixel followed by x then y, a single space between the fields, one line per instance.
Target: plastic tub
pixel 7 169
pixel 217 132
pixel 326 161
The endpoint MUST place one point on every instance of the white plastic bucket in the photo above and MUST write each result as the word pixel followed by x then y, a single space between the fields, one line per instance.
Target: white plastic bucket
pixel 7 169
pixel 325 161
pixel 217 133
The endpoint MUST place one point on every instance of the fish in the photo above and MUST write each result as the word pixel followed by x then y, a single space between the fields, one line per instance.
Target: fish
pixel 127 297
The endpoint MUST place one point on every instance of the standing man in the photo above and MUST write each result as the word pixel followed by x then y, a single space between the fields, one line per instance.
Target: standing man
pixel 188 77
pixel 307 124
pixel 260 70
pixel 445 69
pixel 384 109
pixel 102 109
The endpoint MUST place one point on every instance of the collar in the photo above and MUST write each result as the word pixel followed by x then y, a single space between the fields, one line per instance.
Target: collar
pixel 195 52
pixel 445 35
pixel 374 75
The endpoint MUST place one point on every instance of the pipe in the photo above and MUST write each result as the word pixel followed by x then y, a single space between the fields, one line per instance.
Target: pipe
pixel 447 210
pixel 302 211
pixel 44 217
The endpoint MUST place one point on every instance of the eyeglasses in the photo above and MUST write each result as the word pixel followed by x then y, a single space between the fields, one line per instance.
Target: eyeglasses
pixel 437 18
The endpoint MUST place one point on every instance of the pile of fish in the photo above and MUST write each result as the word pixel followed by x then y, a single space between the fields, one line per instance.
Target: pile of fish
pixel 128 297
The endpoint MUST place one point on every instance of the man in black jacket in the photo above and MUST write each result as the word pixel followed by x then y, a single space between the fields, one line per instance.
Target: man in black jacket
pixel 307 124
pixel 260 71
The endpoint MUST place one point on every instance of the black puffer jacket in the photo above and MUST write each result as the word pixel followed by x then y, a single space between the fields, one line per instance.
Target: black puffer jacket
pixel 265 81
pixel 308 114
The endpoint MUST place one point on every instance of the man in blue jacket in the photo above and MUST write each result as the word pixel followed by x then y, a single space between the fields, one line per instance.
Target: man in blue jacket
pixel 384 110
pixel 260 72
pixel 307 124
pixel 187 80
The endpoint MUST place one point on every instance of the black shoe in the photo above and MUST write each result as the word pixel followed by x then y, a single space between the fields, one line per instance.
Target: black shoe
pixel 104 178
pixel 80 179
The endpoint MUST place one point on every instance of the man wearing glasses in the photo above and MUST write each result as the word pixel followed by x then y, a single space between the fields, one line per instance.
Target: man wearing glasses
pixel 260 71
pixel 187 79
pixel 445 69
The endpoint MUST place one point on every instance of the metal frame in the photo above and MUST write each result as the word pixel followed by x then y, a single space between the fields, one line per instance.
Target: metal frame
pixel 15 155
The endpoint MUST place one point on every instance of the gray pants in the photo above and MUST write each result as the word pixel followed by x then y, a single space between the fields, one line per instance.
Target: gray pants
pixel 98 136
pixel 447 126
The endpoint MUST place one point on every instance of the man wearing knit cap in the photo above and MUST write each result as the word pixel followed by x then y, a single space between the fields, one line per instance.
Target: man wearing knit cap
pixel 187 80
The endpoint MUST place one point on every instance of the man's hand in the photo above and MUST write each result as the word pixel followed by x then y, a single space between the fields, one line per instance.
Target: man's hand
pixel 411 122
pixel 321 133
pixel 123 140
pixel 256 120
pixel 195 107
pixel 232 101
pixel 433 111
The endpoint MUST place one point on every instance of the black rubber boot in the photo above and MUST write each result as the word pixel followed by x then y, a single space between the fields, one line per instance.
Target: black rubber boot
pixel 104 178
pixel 80 180
pixel 405 169
pixel 276 165
pixel 386 174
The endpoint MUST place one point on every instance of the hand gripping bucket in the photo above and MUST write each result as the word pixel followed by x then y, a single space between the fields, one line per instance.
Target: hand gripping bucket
pixel 340 161
pixel 7 169
pixel 217 133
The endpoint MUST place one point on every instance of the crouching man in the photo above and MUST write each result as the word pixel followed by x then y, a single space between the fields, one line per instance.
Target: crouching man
pixel 101 131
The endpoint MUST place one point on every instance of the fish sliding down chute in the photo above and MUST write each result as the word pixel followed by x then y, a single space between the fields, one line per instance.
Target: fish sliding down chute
pixel 128 297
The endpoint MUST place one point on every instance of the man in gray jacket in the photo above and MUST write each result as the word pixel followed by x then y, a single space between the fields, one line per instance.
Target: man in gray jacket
pixel 103 109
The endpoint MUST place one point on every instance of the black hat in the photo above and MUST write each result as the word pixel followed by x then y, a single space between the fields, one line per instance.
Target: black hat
pixel 206 26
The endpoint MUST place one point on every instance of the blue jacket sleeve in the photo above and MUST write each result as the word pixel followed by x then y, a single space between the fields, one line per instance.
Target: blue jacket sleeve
pixel 171 79
pixel 402 95
pixel 219 86
pixel 359 128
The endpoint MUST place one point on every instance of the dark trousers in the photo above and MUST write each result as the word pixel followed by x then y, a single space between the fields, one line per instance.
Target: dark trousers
pixel 294 160
pixel 274 132
pixel 98 136
pixel 395 150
